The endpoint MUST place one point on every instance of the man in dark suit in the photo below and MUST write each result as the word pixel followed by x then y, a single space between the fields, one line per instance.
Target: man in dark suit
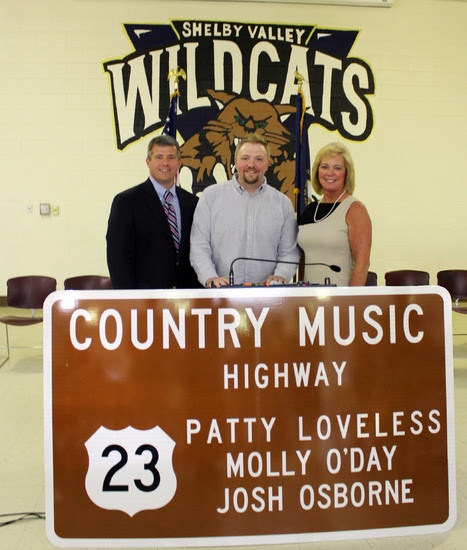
pixel 143 250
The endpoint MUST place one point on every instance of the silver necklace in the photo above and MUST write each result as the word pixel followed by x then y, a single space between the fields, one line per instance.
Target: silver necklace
pixel 330 211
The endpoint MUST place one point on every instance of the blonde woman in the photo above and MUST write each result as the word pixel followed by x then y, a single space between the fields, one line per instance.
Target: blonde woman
pixel 336 230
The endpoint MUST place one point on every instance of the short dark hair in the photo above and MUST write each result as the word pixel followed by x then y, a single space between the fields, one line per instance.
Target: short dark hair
pixel 163 140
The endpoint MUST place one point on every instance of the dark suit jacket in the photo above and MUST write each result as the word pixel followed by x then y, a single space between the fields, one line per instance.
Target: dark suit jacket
pixel 140 248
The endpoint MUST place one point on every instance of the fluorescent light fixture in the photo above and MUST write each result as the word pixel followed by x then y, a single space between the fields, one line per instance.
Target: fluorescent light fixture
pixel 361 3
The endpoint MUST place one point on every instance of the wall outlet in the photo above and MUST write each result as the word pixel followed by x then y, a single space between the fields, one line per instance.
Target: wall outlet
pixel 44 208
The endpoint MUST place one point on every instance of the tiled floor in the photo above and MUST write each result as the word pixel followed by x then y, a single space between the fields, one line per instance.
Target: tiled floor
pixel 22 464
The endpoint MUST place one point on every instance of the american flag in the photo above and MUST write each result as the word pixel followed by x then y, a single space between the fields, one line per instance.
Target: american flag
pixel 170 126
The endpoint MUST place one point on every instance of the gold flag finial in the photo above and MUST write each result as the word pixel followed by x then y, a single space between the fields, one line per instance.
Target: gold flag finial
pixel 176 74
pixel 299 80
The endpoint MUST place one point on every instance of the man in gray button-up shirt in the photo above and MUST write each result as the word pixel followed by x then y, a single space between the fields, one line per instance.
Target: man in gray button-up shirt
pixel 245 218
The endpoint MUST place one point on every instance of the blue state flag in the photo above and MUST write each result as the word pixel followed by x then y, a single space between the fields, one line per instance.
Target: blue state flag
pixel 170 126
pixel 302 156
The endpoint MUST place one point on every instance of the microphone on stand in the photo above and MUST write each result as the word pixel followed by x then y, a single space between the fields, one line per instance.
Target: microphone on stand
pixel 332 267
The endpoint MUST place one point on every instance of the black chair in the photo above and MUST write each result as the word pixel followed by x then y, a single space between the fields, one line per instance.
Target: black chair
pixel 26 292
pixel 407 277
pixel 371 279
pixel 455 282
pixel 88 282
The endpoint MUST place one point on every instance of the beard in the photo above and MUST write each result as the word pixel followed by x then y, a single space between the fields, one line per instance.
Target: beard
pixel 251 178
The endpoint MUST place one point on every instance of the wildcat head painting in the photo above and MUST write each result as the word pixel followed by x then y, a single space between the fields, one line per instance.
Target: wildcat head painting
pixel 238 118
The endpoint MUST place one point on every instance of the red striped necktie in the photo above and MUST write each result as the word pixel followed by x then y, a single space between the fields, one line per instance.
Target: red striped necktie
pixel 171 217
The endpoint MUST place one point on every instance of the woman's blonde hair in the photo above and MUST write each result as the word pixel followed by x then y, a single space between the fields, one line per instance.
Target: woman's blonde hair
pixel 331 150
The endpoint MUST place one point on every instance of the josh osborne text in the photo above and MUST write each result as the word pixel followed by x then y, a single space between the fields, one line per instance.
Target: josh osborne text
pixel 326 495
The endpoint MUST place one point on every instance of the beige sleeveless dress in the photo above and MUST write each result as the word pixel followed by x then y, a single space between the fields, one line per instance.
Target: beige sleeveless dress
pixel 327 242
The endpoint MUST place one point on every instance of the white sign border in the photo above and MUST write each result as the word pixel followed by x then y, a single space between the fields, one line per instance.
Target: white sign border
pixel 293 538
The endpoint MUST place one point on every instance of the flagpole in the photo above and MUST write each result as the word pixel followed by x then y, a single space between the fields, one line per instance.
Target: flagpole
pixel 299 78
pixel 170 126
pixel 302 161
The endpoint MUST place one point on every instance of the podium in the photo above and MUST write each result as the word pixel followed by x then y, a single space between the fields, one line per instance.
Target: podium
pixel 248 415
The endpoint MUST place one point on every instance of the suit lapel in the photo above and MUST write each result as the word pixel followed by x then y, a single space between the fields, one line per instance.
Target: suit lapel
pixel 185 236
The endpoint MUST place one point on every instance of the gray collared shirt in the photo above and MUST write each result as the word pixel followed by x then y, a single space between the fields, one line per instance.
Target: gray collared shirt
pixel 230 223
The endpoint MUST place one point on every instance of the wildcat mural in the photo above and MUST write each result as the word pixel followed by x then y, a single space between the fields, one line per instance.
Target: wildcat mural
pixel 239 79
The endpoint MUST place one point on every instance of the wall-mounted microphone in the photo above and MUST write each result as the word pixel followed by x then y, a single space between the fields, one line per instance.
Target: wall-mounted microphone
pixel 332 267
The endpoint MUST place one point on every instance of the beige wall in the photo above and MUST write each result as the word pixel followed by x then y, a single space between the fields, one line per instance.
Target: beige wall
pixel 57 140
